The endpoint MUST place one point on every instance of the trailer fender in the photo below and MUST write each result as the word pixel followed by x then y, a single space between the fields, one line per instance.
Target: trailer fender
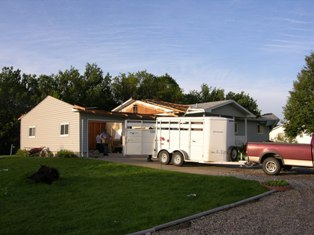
pixel 184 153
pixel 178 158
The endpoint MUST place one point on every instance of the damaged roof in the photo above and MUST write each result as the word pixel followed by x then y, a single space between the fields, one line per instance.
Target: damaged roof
pixel 182 108
pixel 123 115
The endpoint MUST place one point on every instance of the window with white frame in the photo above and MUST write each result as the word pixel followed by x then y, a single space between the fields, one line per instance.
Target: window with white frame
pixel 64 129
pixel 31 131
pixel 260 129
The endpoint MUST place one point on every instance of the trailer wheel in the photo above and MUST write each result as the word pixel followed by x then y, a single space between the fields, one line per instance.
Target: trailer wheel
pixel 271 166
pixel 164 157
pixel 177 159
pixel 233 154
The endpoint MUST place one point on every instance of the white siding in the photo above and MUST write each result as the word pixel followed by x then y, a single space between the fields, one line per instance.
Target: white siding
pixel 46 117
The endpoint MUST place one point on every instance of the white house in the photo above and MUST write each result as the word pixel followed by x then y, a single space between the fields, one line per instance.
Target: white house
pixel 62 126
pixel 277 134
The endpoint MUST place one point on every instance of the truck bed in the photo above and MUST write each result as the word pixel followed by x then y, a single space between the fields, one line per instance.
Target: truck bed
pixel 288 151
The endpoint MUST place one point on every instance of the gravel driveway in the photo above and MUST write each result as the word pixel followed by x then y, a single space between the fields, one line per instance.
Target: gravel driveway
pixel 287 212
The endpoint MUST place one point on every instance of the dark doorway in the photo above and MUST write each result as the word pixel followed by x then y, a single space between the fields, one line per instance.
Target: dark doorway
pixel 94 128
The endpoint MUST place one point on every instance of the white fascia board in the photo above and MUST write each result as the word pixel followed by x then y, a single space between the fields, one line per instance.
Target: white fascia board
pixel 123 105
pixel 191 111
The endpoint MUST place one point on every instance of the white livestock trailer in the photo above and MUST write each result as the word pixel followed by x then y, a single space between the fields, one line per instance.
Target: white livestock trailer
pixel 183 139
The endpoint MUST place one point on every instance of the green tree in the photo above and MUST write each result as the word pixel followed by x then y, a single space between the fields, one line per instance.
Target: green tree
pixel 206 94
pixel 244 100
pixel 124 87
pixel 209 94
pixel 168 89
pixel 147 85
pixel 97 88
pixel 70 87
pixel 16 98
pixel 91 89
pixel 143 85
pixel 193 97
pixel 47 85
pixel 299 110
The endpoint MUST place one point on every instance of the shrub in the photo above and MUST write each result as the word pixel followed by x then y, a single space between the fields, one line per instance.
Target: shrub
pixel 66 154
pixel 22 153
pixel 50 154
pixel 34 152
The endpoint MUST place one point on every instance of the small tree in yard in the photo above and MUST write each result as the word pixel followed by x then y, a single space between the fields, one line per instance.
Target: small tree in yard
pixel 299 110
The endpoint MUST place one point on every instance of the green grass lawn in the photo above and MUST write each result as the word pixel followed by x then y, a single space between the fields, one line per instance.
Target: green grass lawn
pixel 98 197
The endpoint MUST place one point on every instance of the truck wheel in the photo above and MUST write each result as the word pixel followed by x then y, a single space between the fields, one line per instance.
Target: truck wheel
pixel 177 159
pixel 233 154
pixel 271 166
pixel 164 157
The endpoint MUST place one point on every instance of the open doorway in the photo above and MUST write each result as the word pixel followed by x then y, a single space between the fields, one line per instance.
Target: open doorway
pixel 94 127
pixel 114 129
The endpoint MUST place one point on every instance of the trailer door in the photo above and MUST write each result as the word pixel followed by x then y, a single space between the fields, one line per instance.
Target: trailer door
pixel 218 140
pixel 196 140
pixel 139 137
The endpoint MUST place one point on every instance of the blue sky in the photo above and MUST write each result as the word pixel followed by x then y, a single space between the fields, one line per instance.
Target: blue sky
pixel 239 45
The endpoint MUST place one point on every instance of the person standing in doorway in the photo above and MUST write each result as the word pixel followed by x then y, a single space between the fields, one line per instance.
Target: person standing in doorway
pixel 98 143
pixel 105 140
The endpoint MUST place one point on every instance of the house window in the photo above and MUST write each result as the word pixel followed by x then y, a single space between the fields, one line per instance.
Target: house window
pixel 31 131
pixel 64 129
pixel 135 108
pixel 260 129
pixel 235 127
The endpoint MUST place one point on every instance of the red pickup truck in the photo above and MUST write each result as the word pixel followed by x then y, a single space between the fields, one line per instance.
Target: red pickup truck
pixel 277 156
